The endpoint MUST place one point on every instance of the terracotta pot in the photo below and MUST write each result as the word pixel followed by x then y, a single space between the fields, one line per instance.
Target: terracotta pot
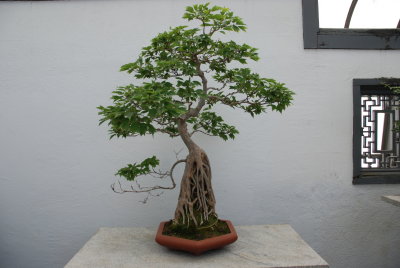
pixel 193 246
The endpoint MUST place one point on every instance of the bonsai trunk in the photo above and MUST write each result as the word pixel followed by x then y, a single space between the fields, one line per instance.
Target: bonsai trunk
pixel 196 203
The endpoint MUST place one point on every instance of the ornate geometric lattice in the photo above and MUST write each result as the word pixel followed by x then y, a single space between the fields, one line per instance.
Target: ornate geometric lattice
pixel 380 140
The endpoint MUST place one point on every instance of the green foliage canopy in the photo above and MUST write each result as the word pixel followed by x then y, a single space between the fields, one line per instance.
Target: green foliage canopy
pixel 175 69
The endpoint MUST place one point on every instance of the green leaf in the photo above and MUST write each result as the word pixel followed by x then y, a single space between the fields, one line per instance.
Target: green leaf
pixel 169 82
pixel 189 9
pixel 132 171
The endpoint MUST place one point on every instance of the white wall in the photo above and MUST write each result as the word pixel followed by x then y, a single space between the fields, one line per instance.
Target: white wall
pixel 60 59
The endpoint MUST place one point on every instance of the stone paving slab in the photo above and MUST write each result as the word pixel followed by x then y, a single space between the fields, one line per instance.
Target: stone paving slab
pixel 392 199
pixel 267 246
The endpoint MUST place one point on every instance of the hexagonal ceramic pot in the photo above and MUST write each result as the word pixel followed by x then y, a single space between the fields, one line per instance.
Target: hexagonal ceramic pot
pixel 193 246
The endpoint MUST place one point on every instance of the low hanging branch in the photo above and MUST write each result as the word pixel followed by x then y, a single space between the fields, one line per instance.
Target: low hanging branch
pixel 155 174
pixel 176 99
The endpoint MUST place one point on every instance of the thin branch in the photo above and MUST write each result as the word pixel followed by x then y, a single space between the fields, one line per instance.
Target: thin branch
pixel 177 153
pixel 149 194
pixel 218 89
pixel 230 102
pixel 193 112
pixel 140 189
pixel 204 25
pixel 158 174
pixel 167 132
pixel 172 170
pixel 190 106
pixel 201 131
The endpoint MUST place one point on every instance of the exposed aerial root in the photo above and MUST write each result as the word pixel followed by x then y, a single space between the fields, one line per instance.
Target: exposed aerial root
pixel 196 203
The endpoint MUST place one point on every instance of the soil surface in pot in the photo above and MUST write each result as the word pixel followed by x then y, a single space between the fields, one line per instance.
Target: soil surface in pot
pixel 192 233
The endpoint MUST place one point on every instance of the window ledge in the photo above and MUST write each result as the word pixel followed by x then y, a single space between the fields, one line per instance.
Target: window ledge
pixel 384 39
pixel 333 38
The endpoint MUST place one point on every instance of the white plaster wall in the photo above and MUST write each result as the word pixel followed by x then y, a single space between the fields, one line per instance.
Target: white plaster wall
pixel 60 59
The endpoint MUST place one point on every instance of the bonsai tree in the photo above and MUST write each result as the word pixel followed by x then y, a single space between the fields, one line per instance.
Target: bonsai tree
pixel 186 72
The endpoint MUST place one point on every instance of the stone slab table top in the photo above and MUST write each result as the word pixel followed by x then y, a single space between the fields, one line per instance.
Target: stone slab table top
pixel 268 246
pixel 392 199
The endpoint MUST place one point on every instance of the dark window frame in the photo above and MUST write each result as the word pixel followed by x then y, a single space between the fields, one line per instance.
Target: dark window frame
pixel 363 176
pixel 332 38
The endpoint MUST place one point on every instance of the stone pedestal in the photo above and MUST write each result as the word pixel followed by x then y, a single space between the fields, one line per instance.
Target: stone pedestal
pixel 267 246
pixel 392 199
